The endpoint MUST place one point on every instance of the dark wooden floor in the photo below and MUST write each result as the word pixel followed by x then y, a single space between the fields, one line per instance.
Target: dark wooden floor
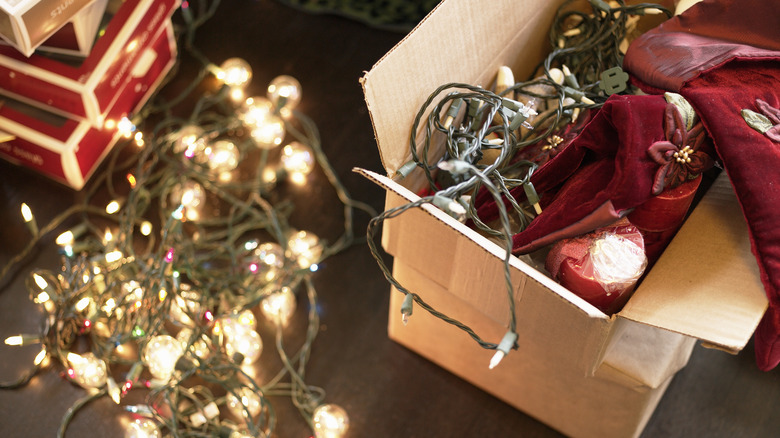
pixel 387 390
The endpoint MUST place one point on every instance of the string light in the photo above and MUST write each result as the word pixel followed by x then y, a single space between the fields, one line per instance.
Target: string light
pixel 330 421
pixel 199 273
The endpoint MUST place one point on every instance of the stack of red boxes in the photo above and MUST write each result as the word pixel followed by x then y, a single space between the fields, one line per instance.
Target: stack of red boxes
pixel 60 114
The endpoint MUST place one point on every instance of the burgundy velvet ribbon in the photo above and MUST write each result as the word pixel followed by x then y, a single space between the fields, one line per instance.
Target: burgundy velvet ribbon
pixel 723 57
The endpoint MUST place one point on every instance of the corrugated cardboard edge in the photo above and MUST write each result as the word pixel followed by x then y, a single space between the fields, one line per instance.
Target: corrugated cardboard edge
pixel 716 294
pixel 486 244
pixel 399 83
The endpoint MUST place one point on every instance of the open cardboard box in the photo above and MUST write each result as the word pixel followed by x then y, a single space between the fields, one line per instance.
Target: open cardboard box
pixel 577 369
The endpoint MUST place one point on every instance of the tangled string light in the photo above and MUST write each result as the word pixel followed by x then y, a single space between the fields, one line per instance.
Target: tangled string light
pixel 161 289
pixel 479 144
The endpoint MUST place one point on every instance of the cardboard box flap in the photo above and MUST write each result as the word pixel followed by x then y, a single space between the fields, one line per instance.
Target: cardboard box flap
pixel 445 48
pixel 488 248
pixel 716 294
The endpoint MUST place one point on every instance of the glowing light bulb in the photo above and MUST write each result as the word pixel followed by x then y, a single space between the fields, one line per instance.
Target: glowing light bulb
pixel 26 213
pixel 146 228
pixel 285 92
pixel 279 306
pixel 113 256
pixel 125 127
pixel 245 341
pixel 330 421
pixel 88 370
pixel 305 248
pixel 269 133
pixel 190 140
pixel 40 281
pixel 245 400
pixel 83 304
pixel 199 347
pixel 266 261
pixel 65 238
pixel 186 305
pixel 223 156
pixel 190 195
pixel 235 72
pixel 255 110
pixel 160 356
pixel 142 428
pixel 297 159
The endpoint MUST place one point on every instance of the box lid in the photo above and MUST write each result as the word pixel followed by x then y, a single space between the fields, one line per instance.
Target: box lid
pixel 445 47
pixel 707 283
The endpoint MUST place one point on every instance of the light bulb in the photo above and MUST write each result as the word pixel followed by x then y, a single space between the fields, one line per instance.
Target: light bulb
pixel 255 110
pixel 189 140
pixel 191 196
pixel 297 158
pixel 244 400
pixel 269 133
pixel 285 92
pixel 142 428
pixel 199 347
pixel 185 305
pixel 305 248
pixel 245 341
pixel 279 306
pixel 89 370
pixel 160 356
pixel 266 261
pixel 223 156
pixel 330 421
pixel 235 72
pixel 235 322
pixel 26 213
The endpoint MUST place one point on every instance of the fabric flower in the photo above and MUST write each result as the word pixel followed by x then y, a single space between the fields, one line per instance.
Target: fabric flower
pixel 767 122
pixel 678 155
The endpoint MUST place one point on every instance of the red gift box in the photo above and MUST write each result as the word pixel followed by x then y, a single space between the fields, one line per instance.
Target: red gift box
pixel 25 24
pixel 69 150
pixel 87 91
pixel 78 35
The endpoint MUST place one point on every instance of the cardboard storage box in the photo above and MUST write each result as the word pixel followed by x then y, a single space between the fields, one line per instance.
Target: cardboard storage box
pixel 25 24
pixel 580 371
pixel 87 89
pixel 69 150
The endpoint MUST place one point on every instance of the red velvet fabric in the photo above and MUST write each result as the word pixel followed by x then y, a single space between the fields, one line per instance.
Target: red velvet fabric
pixel 723 56
pixel 600 176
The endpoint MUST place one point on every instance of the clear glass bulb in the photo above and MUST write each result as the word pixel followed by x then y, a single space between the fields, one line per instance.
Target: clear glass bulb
pixel 279 306
pixel 255 110
pixel 191 142
pixel 245 398
pixel 160 356
pixel 192 196
pixel 330 421
pixel 285 92
pixel 266 261
pixel 90 371
pixel 142 428
pixel 186 303
pixel 223 156
pixel 297 158
pixel 245 341
pixel 305 248
pixel 235 72
pixel 268 134
pixel 199 347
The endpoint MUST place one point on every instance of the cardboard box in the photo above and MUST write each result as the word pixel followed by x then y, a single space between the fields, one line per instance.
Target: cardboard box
pixel 87 89
pixel 26 24
pixel 69 150
pixel 580 371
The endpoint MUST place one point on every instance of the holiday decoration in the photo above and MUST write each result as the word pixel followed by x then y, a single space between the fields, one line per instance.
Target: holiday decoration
pixel 164 289
pixel 731 55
